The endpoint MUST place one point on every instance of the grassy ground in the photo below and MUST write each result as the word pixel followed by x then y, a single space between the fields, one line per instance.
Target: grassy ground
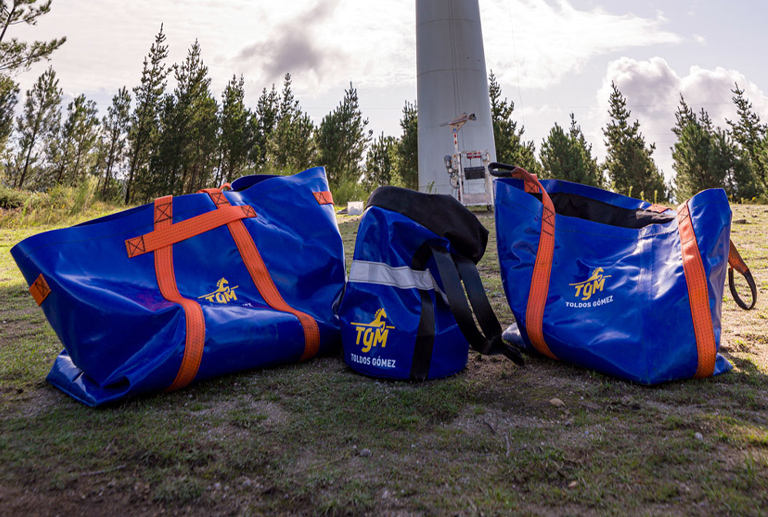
pixel 318 439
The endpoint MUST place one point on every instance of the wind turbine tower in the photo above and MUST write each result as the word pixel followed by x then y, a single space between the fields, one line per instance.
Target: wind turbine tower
pixel 452 83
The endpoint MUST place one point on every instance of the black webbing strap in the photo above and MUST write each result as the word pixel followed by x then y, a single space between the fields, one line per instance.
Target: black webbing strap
pixel 736 262
pixel 752 287
pixel 491 343
pixel 425 334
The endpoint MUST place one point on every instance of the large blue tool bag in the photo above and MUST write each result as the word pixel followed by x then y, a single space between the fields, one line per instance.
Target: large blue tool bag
pixel 190 287
pixel 613 283
pixel 404 313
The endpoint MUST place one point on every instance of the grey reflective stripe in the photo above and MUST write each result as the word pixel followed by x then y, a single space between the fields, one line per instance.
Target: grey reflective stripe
pixel 384 274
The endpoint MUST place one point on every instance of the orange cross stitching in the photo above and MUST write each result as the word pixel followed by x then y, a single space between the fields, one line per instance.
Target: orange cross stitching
pixel 135 246
pixel 163 212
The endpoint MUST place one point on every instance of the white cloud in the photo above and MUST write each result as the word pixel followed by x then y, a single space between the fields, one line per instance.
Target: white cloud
pixel 543 41
pixel 698 38
pixel 653 90
pixel 325 43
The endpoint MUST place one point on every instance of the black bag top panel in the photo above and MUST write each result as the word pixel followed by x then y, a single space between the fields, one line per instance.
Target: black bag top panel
pixel 440 213
pixel 573 205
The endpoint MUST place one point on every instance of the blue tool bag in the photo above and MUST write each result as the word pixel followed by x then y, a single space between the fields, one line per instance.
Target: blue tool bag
pixel 191 287
pixel 405 314
pixel 616 284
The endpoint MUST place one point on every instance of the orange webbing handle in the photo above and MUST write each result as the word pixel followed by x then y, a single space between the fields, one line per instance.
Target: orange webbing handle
pixel 166 280
pixel 537 297
pixel 324 197
pixel 169 234
pixel 262 279
pixel 659 209
pixel 698 294
pixel 39 290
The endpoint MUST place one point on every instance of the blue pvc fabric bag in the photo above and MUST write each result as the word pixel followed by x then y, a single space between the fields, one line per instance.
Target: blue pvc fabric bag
pixel 616 284
pixel 405 313
pixel 191 287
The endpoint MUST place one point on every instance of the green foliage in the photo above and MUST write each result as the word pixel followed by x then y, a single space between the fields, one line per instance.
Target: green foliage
pixel 291 145
pixel 342 139
pixel 752 137
pixel 9 93
pixel 569 156
pixel 406 173
pixel 10 198
pixel 112 145
pixel 706 157
pixel 38 122
pixel 187 149
pixel 510 146
pixel 144 128
pixel 263 124
pixel 71 153
pixel 629 161
pixel 236 137
pixel 17 56
pixel 380 162
pixel 349 190
pixel 60 205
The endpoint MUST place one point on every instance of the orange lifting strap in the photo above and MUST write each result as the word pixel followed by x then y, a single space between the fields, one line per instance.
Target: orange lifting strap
pixel 166 280
pixel 537 297
pixel 262 279
pixel 698 294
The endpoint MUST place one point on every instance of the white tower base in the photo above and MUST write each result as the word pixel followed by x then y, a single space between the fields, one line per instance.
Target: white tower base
pixel 451 80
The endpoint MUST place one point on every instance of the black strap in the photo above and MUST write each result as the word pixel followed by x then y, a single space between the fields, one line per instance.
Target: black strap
pixel 425 334
pixel 752 286
pixel 491 343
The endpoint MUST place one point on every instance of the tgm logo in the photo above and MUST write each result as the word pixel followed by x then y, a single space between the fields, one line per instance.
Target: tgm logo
pixel 591 285
pixel 223 293
pixel 374 333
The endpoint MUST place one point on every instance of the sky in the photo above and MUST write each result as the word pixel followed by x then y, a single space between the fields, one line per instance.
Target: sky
pixel 551 57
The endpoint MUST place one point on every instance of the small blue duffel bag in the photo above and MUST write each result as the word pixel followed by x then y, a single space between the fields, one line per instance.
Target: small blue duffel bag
pixel 405 314
pixel 616 284
pixel 191 287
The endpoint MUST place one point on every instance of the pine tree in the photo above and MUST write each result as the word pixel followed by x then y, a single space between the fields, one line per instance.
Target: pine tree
pixel 9 97
pixel 41 117
pixel 738 178
pixel 188 144
pixel 263 124
pixel 510 147
pixel 342 139
pixel 406 171
pixel 707 157
pixel 113 139
pixel 569 156
pixel 629 161
pixel 693 153
pixel 291 145
pixel 197 121
pixel 380 162
pixel 205 144
pixel 15 55
pixel 750 134
pixel 592 173
pixel 77 142
pixel 236 137
pixel 144 120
